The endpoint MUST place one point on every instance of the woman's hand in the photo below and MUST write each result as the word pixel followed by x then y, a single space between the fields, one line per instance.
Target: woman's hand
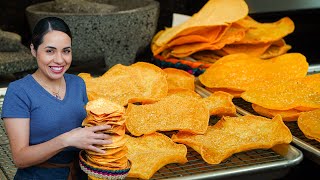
pixel 87 137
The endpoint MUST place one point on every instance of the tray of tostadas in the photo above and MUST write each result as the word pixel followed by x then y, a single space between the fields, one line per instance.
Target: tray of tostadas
pixel 310 147
pixel 267 163
pixel 271 163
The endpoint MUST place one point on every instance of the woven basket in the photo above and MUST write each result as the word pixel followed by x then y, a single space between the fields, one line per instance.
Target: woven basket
pixel 101 173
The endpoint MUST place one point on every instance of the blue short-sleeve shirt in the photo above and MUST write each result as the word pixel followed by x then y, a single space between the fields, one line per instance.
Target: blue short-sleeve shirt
pixel 49 116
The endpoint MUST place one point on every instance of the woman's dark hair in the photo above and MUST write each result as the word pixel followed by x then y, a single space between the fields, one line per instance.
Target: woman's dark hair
pixel 46 25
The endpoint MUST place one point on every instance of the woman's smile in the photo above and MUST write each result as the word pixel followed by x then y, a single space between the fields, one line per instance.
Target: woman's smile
pixel 57 69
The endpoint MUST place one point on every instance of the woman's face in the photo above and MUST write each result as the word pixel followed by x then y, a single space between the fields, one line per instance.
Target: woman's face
pixel 54 55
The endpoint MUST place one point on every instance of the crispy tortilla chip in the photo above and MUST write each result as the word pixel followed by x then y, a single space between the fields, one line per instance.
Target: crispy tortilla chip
pixel 173 112
pixel 300 108
pixel 92 95
pixel 303 92
pixel 116 165
pixel 255 50
pixel 108 151
pixel 193 38
pixel 309 124
pixel 140 81
pixel 101 112
pixel 151 152
pixel 234 93
pixel 239 71
pixel 85 76
pixel 247 22
pixel 231 135
pixel 155 48
pixel 102 167
pixel 220 103
pixel 287 115
pixel 103 106
pixel 117 141
pixel 116 130
pixel 212 35
pixel 276 49
pixel 213 13
pixel 233 33
pixel 206 34
pixel 265 32
pixel 188 49
pixel 89 123
pixel 179 79
pixel 206 56
pixel 184 93
pixel 105 159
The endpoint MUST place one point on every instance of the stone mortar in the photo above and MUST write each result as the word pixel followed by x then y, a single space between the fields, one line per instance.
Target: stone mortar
pixel 116 36
pixel 17 62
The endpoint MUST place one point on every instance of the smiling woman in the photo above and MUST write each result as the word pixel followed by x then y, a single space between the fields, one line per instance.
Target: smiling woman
pixel 53 58
pixel 43 111
pixel 53 54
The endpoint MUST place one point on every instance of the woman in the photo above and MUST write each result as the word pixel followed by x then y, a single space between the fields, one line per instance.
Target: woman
pixel 43 112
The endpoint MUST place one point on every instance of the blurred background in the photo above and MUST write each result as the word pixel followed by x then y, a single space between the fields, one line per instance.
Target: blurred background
pixel 305 14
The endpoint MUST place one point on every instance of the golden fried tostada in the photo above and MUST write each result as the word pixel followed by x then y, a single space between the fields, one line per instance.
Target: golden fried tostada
pixel 309 124
pixel 149 153
pixel 231 135
pixel 173 112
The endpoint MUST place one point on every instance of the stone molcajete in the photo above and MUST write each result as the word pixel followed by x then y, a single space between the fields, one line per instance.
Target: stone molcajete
pixel 14 56
pixel 111 30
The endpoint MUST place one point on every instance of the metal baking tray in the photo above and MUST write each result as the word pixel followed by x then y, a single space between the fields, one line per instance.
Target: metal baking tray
pixel 257 164
pixel 313 69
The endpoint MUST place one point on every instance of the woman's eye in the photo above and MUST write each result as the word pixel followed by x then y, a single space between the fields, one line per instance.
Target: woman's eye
pixel 67 51
pixel 49 51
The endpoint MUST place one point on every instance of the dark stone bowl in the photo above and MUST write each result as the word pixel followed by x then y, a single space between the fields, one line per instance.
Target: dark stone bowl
pixel 115 36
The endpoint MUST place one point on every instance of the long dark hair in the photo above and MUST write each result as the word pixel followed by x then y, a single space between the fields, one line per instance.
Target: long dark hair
pixel 46 25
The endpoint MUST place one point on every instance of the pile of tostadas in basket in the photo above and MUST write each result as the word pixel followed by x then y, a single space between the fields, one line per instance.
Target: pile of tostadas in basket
pixel 156 113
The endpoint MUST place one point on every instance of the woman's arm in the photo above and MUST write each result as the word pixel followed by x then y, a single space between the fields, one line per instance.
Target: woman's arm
pixel 25 155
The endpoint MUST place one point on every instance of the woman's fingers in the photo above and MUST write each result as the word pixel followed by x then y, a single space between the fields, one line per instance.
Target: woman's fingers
pixel 93 148
pixel 102 136
pixel 101 142
pixel 100 128
pixel 88 137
